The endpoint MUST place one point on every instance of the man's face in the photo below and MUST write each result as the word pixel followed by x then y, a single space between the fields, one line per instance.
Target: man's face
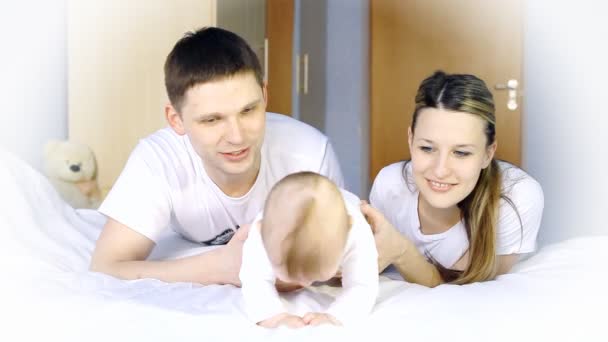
pixel 225 122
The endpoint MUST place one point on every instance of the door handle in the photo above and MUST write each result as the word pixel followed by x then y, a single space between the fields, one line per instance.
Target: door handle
pixel 305 86
pixel 511 87
pixel 265 60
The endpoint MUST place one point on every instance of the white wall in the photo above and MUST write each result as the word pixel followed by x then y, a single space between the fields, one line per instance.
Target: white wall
pixel 347 84
pixel 340 105
pixel 566 115
pixel 33 86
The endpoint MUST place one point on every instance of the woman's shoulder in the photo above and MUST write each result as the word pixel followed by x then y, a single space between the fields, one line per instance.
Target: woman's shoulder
pixel 518 183
pixel 391 184
pixel 391 175
pixel 521 211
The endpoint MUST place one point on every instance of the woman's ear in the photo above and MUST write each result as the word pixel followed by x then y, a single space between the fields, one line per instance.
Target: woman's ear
pixel 410 139
pixel 174 119
pixel 490 151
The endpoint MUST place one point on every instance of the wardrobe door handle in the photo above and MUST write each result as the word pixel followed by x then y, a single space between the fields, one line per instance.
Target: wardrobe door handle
pixel 511 87
pixel 305 74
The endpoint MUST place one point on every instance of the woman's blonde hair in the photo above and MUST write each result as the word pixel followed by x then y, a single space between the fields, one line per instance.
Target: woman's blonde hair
pixel 479 210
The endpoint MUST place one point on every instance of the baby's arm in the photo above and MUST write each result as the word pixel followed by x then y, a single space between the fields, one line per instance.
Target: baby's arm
pixel 261 299
pixel 359 278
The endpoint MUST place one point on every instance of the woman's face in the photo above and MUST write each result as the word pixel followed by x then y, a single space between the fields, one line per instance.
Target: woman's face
pixel 448 151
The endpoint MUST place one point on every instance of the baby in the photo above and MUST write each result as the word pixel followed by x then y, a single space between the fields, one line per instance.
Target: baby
pixel 308 231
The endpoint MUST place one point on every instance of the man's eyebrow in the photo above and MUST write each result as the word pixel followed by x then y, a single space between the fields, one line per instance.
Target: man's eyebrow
pixel 252 103
pixel 217 114
pixel 207 116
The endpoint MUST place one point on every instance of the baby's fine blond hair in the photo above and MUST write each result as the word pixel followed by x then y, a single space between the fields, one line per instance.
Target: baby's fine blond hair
pixel 305 225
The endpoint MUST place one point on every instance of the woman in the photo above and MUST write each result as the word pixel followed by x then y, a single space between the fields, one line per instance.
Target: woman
pixel 453 213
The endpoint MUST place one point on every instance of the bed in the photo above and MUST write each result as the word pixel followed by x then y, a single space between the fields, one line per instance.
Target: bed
pixel 48 294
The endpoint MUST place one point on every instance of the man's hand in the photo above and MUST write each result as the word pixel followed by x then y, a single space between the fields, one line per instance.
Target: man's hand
pixel 232 255
pixel 285 318
pixel 318 318
pixel 389 242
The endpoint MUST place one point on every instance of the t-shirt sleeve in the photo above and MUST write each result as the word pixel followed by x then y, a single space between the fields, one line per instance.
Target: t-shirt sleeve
pixel 377 195
pixel 359 275
pixel 260 297
pixel 139 198
pixel 518 229
pixel 330 167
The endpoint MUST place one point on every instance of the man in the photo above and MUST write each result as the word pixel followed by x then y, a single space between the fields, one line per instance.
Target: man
pixel 209 172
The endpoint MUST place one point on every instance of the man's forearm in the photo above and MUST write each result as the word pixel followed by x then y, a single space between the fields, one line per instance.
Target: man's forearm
pixel 206 268
pixel 414 267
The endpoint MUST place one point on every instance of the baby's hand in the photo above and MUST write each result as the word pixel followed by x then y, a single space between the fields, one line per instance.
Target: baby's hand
pixel 282 286
pixel 289 320
pixel 316 318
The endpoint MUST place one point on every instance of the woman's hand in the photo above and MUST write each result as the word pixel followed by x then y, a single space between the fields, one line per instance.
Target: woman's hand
pixel 391 245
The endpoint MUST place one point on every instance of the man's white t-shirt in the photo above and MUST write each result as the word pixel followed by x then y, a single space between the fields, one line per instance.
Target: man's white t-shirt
pixel 398 201
pixel 359 268
pixel 164 183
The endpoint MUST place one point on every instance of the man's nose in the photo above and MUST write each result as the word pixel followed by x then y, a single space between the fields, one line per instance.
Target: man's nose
pixel 234 133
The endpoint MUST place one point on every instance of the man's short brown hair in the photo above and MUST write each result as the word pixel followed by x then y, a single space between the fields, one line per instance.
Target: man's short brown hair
pixel 205 55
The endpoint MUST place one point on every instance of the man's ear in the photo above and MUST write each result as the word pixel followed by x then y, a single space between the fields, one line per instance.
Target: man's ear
pixel 490 151
pixel 174 119
pixel 265 93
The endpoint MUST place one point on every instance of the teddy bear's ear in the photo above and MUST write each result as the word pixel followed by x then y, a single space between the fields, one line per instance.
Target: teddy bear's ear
pixel 96 167
pixel 50 146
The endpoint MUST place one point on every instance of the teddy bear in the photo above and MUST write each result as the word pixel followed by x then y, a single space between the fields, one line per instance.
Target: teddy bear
pixel 72 169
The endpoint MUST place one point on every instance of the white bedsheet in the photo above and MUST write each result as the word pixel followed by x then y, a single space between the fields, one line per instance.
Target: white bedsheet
pixel 47 293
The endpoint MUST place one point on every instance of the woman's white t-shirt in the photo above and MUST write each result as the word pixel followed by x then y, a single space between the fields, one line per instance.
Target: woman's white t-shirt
pixel 398 201
pixel 164 183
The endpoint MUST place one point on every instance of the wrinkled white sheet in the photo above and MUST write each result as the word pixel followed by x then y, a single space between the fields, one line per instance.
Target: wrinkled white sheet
pixel 47 294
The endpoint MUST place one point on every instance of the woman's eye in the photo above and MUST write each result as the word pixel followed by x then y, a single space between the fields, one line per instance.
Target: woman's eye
pixel 462 153
pixel 247 110
pixel 426 149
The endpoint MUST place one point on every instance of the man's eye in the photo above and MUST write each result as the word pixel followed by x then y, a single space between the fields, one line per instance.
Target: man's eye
pixel 209 120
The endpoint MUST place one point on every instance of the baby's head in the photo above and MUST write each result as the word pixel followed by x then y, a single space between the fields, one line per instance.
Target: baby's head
pixel 305 228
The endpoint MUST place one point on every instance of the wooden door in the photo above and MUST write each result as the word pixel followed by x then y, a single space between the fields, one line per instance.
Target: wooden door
pixel 279 58
pixel 411 39
pixel 313 57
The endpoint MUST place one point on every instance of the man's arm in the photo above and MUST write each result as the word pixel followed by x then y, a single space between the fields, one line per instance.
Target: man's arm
pixel 121 252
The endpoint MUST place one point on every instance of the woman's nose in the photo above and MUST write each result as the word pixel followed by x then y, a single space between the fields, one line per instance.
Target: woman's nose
pixel 441 168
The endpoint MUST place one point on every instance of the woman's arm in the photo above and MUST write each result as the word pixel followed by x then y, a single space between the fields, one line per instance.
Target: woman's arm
pixel 393 248
pixel 504 263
